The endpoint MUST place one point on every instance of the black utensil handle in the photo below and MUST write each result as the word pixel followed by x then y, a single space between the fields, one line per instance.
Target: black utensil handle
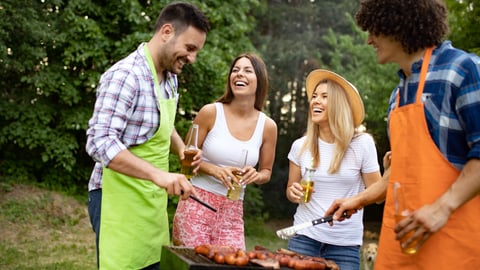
pixel 322 220
pixel 203 203
pixel 325 219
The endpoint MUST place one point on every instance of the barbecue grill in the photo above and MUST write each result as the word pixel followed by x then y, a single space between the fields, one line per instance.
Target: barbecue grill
pixel 182 258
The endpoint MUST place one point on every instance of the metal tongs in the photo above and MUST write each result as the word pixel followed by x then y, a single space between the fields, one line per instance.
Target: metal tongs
pixel 289 232
pixel 201 202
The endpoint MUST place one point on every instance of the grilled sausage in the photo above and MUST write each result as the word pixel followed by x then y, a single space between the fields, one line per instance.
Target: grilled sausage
pixel 241 260
pixel 308 265
pixel 231 258
pixel 202 249
pixel 219 258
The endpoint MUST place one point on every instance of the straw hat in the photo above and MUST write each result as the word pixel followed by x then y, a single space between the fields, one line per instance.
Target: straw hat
pixel 354 98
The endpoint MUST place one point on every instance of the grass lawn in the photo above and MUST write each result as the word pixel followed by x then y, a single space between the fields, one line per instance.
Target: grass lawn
pixel 44 230
pixel 40 229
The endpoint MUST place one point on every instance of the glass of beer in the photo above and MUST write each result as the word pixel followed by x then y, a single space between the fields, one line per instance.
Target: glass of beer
pixel 307 185
pixel 402 212
pixel 190 151
pixel 234 194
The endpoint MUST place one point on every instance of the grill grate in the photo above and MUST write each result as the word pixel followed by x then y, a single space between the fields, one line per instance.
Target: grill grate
pixel 190 254
pixel 181 258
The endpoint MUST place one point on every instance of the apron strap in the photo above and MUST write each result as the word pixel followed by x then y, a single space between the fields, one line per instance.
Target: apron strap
pixel 423 73
pixel 423 76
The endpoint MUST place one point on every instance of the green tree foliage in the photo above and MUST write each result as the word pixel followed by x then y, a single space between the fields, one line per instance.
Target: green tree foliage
pixel 464 19
pixel 40 114
pixel 52 53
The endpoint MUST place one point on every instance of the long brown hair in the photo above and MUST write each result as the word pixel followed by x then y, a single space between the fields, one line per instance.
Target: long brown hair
pixel 262 80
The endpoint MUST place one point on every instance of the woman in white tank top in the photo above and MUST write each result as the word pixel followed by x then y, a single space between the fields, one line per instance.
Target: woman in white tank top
pixel 226 127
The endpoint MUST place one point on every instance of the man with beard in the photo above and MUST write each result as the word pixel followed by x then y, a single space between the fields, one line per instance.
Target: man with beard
pixel 130 136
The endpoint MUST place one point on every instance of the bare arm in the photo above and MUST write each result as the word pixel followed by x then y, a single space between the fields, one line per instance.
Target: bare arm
pixel 431 218
pixel 294 190
pixel 376 192
pixel 266 158
pixel 371 178
pixel 176 144
pixel 464 188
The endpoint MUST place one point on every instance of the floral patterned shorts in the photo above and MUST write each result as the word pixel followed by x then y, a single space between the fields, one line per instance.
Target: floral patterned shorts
pixel 194 224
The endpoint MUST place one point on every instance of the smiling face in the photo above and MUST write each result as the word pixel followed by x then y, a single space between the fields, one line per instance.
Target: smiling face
pixel 319 103
pixel 243 80
pixel 180 49
pixel 388 50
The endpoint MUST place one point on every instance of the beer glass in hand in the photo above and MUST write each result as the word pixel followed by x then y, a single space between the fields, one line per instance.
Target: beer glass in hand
pixel 402 212
pixel 190 151
pixel 234 194
pixel 307 185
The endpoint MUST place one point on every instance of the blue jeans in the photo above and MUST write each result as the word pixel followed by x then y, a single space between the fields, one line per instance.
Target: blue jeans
pixel 346 257
pixel 94 207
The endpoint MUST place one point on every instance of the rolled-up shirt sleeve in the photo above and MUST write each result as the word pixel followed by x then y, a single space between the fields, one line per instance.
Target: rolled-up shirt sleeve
pixel 126 111
pixel 115 96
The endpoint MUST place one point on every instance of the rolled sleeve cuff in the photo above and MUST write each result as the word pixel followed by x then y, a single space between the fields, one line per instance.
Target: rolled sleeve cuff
pixel 111 151
pixel 474 152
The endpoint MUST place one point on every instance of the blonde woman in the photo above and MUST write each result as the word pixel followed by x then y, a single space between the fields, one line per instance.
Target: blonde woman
pixel 342 162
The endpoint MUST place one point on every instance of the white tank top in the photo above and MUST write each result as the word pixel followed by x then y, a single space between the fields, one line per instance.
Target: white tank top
pixel 223 149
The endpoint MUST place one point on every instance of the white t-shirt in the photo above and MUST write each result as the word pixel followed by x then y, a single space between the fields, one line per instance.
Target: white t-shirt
pixel 361 157
pixel 222 149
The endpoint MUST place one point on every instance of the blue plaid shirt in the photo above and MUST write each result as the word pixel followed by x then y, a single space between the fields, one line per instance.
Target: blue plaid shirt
pixel 452 101
pixel 126 110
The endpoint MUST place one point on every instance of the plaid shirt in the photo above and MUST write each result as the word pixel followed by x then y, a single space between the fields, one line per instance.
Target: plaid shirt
pixel 126 111
pixel 452 101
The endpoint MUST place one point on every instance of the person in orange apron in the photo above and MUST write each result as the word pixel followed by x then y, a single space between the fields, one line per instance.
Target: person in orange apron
pixel 130 136
pixel 434 138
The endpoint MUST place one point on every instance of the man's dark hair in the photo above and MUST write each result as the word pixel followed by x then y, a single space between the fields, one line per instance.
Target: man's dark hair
pixel 416 24
pixel 182 15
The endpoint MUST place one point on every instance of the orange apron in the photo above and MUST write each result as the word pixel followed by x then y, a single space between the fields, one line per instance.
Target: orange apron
pixel 425 174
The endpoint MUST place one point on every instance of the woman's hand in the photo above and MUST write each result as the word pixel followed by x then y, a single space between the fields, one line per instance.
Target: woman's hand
pixel 226 175
pixel 387 160
pixel 197 160
pixel 249 175
pixel 295 193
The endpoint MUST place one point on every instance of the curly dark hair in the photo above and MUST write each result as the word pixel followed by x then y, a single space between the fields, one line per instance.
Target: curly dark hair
pixel 416 24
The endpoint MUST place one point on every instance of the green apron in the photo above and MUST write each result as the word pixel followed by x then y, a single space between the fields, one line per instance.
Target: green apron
pixel 134 221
